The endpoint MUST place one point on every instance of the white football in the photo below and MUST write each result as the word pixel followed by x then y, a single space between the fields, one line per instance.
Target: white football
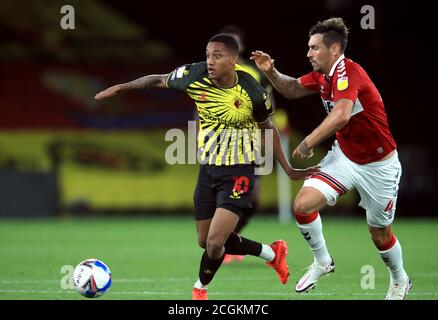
pixel 92 278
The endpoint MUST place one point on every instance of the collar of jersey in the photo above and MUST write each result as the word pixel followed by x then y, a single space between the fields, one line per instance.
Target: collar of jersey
pixel 235 83
pixel 332 70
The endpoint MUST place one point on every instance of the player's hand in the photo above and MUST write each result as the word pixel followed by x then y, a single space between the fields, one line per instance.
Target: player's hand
pixel 301 174
pixel 303 151
pixel 262 60
pixel 111 91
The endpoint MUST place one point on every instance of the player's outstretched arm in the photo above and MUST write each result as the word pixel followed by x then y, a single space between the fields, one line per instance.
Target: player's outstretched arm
pixel 294 174
pixel 335 120
pixel 150 81
pixel 289 87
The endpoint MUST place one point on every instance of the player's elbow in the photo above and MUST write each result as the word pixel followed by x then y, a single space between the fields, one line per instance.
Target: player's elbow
pixel 342 119
pixel 290 94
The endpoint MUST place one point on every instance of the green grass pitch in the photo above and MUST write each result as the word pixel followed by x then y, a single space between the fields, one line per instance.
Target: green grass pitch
pixel 158 258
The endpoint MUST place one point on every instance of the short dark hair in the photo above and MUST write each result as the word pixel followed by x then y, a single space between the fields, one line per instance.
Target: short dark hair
pixel 229 42
pixel 333 30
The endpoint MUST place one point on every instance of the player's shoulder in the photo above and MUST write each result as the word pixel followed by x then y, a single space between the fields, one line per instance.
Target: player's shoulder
pixel 316 76
pixel 250 84
pixel 347 71
pixel 249 68
pixel 347 67
pixel 198 67
pixel 186 74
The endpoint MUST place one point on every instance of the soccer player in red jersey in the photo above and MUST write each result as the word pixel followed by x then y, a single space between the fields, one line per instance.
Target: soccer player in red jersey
pixel 363 156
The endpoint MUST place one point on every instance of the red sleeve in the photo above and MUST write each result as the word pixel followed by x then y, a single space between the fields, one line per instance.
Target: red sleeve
pixel 310 81
pixel 346 84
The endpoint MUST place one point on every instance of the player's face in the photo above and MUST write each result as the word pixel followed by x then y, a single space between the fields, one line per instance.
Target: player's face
pixel 318 54
pixel 220 62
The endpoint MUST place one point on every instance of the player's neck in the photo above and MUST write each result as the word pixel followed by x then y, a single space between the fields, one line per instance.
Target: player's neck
pixel 331 64
pixel 227 81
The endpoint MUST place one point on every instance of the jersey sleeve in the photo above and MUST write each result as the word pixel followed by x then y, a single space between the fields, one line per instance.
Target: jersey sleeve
pixel 310 81
pixel 262 109
pixel 346 84
pixel 183 76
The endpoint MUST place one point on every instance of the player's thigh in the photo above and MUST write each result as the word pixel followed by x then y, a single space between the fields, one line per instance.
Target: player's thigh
pixel 204 197
pixel 202 228
pixel 333 180
pixel 378 188
pixel 223 223
pixel 309 200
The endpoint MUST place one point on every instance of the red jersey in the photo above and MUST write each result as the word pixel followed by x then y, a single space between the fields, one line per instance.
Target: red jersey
pixel 366 137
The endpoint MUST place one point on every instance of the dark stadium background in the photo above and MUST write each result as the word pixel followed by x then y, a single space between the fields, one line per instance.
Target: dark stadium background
pixel 86 179
pixel 155 38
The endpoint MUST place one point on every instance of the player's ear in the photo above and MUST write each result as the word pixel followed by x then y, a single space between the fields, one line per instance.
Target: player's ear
pixel 234 59
pixel 335 48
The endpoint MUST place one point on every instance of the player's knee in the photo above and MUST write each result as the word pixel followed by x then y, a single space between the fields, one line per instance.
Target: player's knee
pixel 214 248
pixel 380 237
pixel 302 206
pixel 202 243
pixel 378 242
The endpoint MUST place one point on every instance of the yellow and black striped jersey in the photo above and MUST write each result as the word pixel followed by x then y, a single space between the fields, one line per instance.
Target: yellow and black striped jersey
pixel 228 117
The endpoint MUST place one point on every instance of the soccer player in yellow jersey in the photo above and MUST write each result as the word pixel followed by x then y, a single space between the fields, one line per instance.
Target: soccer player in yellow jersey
pixel 231 105
pixel 250 67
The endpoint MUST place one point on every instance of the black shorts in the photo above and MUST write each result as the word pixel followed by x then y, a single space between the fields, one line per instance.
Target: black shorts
pixel 227 187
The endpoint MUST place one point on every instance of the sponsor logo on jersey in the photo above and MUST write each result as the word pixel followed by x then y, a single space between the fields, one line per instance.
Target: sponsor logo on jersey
pixel 180 72
pixel 342 83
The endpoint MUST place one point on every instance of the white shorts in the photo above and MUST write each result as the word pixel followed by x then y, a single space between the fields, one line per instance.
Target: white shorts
pixel 376 182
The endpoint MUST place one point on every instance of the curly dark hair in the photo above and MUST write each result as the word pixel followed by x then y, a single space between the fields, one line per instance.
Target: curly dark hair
pixel 333 30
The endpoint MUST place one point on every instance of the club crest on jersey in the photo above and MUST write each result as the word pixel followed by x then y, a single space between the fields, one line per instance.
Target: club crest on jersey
pixel 203 96
pixel 342 83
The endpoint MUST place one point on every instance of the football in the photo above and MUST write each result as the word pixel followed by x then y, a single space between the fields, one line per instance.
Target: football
pixel 92 278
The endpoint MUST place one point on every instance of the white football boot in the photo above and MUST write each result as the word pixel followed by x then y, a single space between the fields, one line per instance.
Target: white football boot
pixel 398 291
pixel 311 277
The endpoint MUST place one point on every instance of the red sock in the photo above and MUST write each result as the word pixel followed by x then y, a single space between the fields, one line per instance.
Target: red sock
pixel 305 218
pixel 389 243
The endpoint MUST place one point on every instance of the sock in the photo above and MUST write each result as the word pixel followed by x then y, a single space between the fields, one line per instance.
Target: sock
pixel 208 268
pixel 199 285
pixel 237 244
pixel 267 253
pixel 310 226
pixel 391 253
